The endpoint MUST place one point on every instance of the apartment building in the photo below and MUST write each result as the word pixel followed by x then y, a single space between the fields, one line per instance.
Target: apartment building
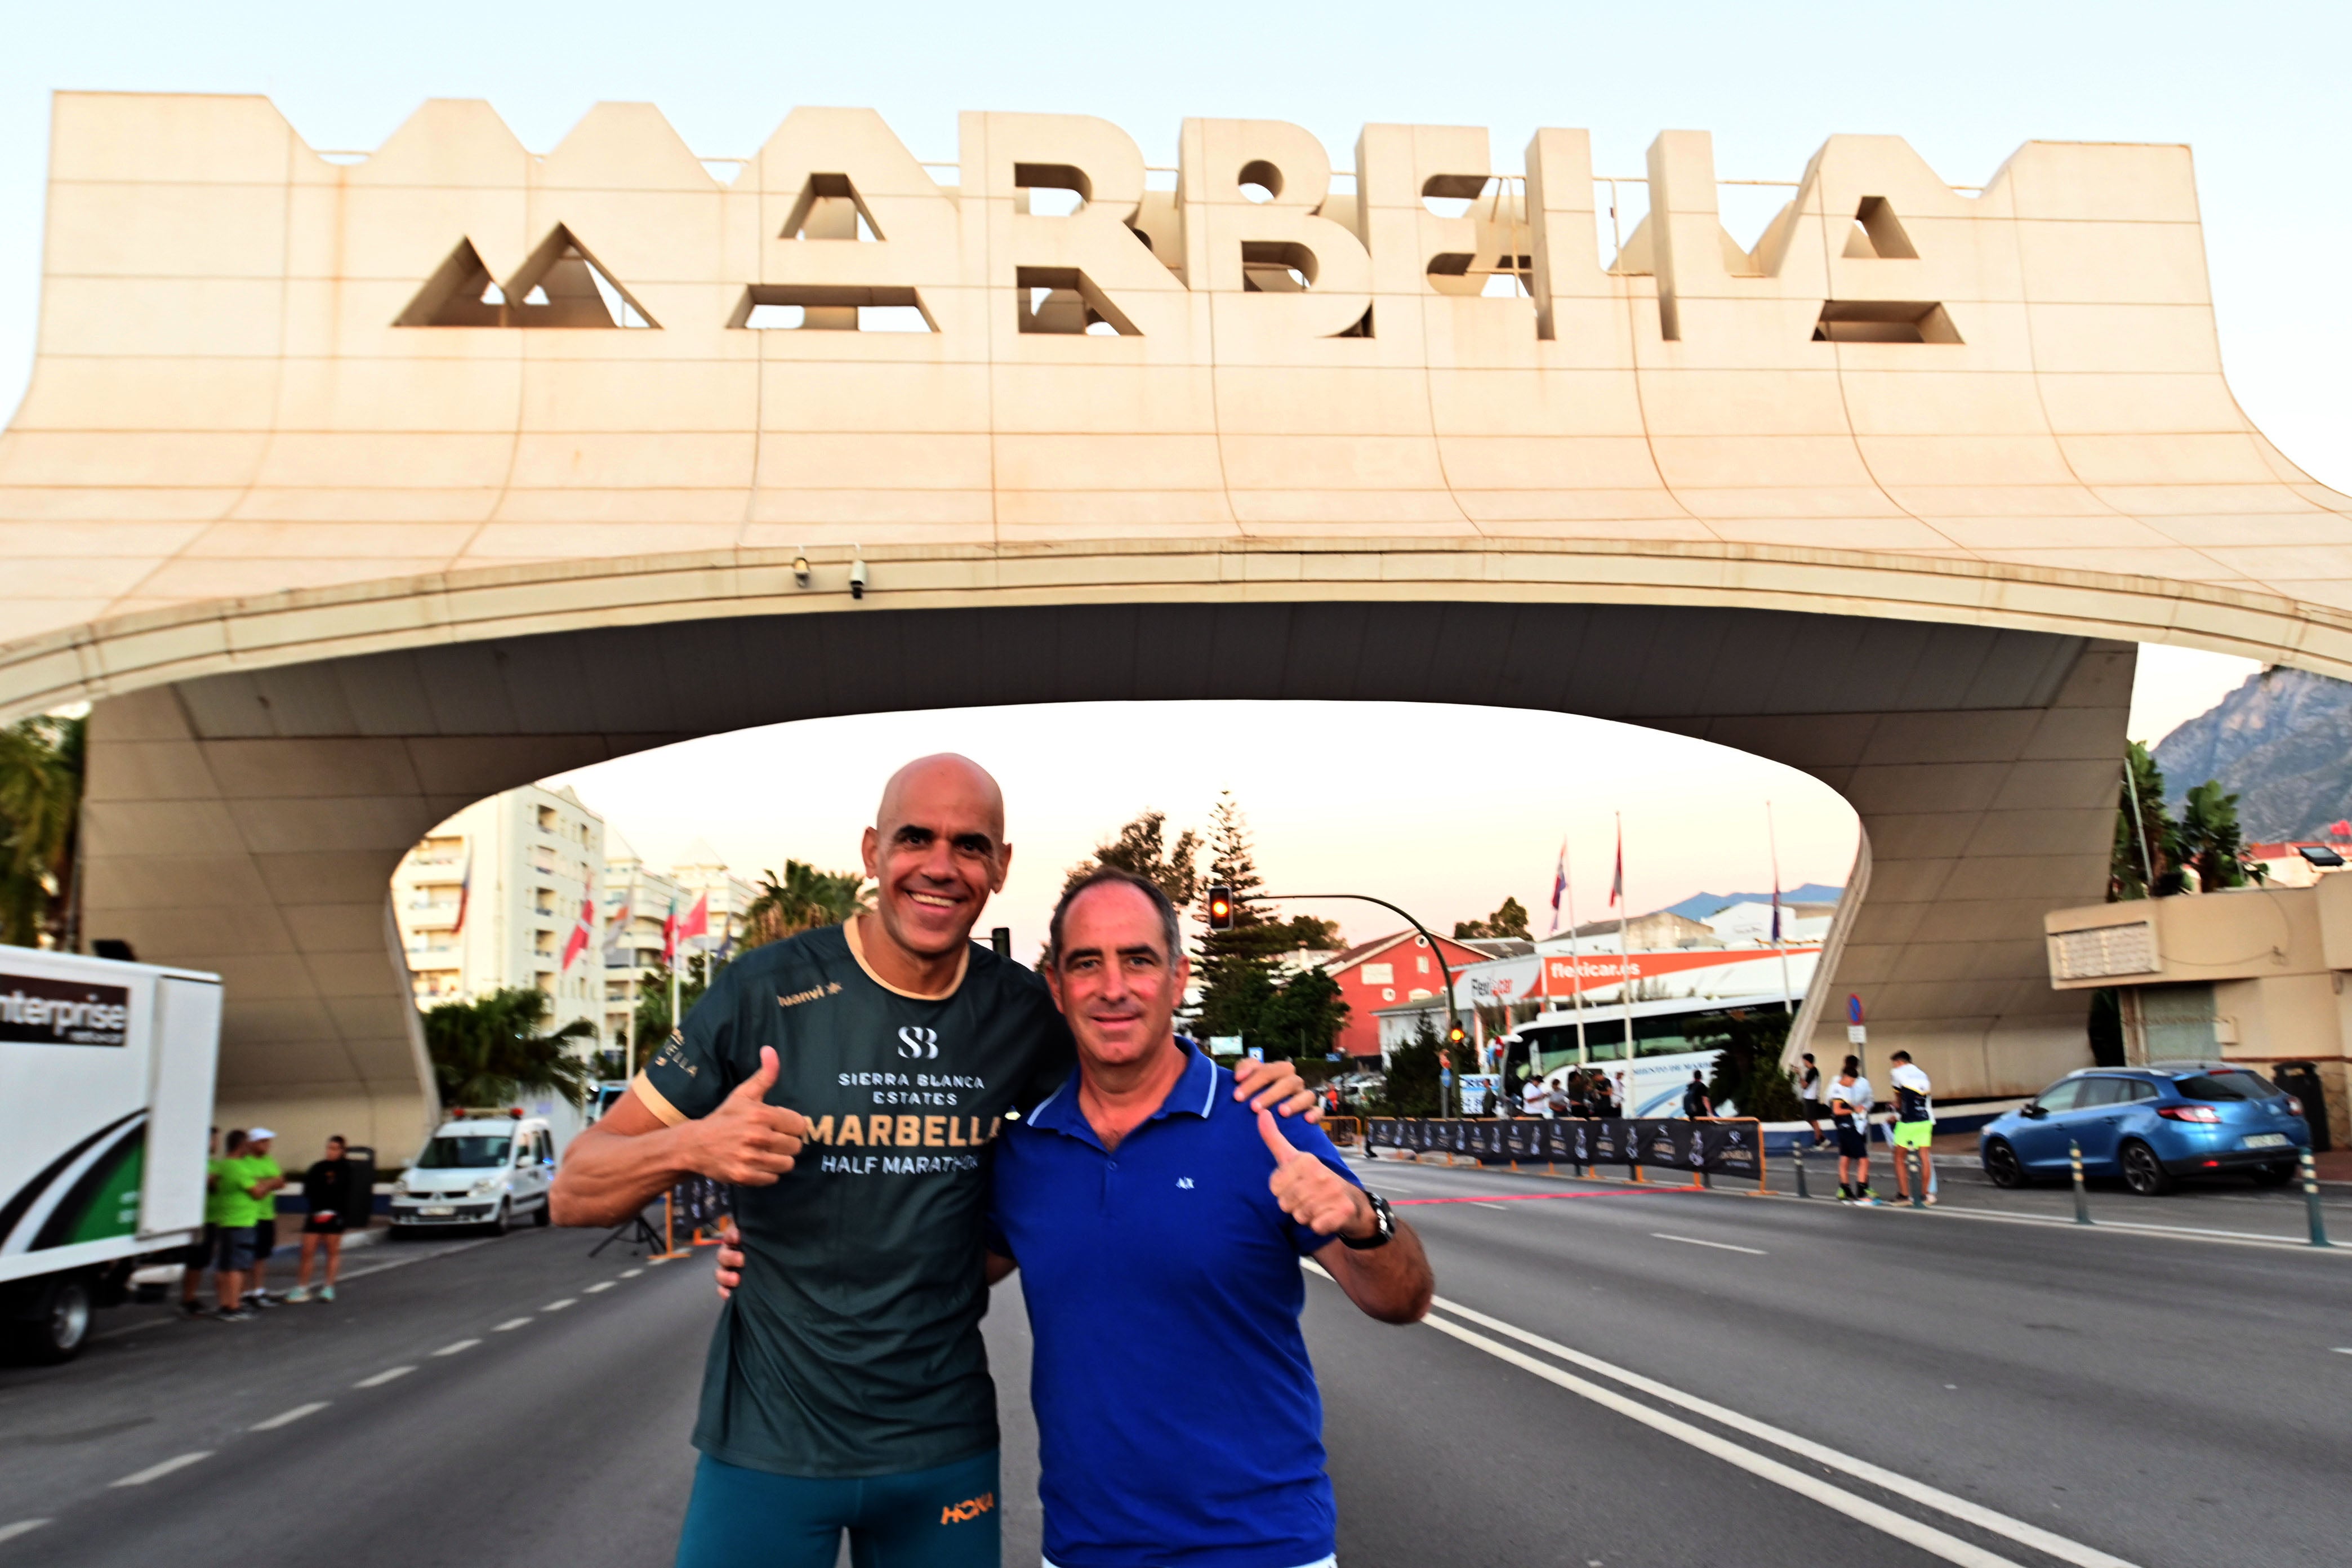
pixel 636 900
pixel 491 899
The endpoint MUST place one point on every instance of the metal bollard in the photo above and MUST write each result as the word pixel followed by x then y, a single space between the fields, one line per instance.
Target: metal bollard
pixel 1919 1187
pixel 1800 1151
pixel 2082 1200
pixel 2311 1202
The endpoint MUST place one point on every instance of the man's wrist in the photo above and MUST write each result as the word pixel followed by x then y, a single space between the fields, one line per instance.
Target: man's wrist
pixel 1365 1222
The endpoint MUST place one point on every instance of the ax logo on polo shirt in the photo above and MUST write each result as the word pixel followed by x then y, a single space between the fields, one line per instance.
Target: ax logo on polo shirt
pixel 919 1043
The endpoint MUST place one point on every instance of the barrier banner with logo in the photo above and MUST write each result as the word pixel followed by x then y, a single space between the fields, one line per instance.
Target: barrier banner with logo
pixel 1723 1148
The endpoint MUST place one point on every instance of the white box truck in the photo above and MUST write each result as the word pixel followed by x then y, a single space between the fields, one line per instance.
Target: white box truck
pixel 105 1101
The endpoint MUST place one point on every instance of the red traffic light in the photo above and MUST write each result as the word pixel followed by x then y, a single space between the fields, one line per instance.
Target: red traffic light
pixel 1221 907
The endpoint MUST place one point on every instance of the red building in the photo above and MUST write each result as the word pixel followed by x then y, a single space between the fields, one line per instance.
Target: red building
pixel 1382 973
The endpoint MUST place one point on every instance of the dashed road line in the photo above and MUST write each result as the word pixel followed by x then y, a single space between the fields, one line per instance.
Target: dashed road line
pixel 631 1273
pixel 1487 1205
pixel 559 1306
pixel 1725 1245
pixel 157 1473
pixel 380 1379
pixel 510 1324
pixel 22 1527
pixel 600 1285
pixel 460 1345
pixel 288 1418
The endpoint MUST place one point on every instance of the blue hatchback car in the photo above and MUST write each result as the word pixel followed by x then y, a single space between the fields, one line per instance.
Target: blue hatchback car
pixel 2151 1125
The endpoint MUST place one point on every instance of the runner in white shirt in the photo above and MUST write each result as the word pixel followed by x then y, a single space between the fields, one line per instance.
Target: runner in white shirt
pixel 1915 1124
pixel 1850 1109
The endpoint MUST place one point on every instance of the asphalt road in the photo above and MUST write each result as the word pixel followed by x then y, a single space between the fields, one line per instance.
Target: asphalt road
pixel 1622 1378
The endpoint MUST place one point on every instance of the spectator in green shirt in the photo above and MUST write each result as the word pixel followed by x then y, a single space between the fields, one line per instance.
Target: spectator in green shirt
pixel 230 1210
pixel 199 1255
pixel 263 1177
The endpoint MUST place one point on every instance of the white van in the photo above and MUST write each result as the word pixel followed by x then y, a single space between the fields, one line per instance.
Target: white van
pixel 479 1170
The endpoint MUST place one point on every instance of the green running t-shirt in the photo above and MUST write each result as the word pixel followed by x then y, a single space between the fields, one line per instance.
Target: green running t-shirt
pixel 853 1347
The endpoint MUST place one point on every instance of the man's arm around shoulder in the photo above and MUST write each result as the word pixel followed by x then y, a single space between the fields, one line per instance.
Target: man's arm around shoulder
pixel 620 1163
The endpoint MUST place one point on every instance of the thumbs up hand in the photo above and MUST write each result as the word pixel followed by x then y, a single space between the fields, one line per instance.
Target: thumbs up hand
pixel 746 1142
pixel 1310 1192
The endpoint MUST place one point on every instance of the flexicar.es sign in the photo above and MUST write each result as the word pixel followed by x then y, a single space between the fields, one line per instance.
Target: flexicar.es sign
pixel 36 1011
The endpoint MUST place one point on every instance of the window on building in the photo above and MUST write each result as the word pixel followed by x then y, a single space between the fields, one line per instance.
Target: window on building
pixel 1380 973
pixel 1422 964
pixel 543 859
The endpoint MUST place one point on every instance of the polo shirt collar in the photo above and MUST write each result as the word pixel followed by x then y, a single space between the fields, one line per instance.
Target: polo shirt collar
pixel 1194 1093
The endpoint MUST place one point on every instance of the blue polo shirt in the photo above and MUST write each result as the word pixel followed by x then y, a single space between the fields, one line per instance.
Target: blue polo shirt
pixel 1178 1421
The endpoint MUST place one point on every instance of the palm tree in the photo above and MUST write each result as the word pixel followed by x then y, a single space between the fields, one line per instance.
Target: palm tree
pixel 486 1051
pixel 40 809
pixel 803 900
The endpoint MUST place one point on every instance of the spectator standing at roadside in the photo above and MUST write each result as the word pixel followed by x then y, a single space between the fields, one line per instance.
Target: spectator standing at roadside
pixel 330 1193
pixel 263 1177
pixel 1532 1096
pixel 1604 1104
pixel 199 1255
pixel 1696 1105
pixel 234 1208
pixel 1580 1094
pixel 1808 1089
pixel 1555 1098
pixel 1915 1124
pixel 1850 1111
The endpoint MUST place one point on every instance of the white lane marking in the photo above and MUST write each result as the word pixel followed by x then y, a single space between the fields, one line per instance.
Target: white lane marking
pixel 1476 1204
pixel 22 1526
pixel 2127 1228
pixel 1925 1536
pixel 1695 1241
pixel 600 1285
pixel 1960 1508
pixel 380 1379
pixel 559 1306
pixel 510 1324
pixel 288 1418
pixel 631 1273
pixel 157 1473
pixel 460 1345
pixel 2344 1350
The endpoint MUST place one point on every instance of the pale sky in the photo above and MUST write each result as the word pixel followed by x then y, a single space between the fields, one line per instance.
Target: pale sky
pixel 1427 804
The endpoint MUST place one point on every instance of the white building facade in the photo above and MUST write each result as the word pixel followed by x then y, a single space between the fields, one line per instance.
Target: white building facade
pixel 492 898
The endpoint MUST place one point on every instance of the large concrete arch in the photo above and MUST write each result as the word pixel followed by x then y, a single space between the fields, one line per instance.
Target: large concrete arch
pixel 299 425
pixel 248 822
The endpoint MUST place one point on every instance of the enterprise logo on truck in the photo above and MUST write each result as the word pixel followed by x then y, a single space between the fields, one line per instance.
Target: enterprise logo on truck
pixel 59 1013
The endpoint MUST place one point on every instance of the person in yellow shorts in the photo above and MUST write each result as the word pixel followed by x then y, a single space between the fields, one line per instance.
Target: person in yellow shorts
pixel 1915 1125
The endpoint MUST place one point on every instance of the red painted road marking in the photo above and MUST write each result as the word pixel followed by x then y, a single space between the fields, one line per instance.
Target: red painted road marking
pixel 1531 1198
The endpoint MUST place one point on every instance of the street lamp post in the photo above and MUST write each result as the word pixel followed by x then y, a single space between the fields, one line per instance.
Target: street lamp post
pixel 1452 1021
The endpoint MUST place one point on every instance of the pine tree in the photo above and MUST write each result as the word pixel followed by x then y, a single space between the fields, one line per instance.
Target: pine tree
pixel 1234 969
pixel 1412 1085
pixel 1142 847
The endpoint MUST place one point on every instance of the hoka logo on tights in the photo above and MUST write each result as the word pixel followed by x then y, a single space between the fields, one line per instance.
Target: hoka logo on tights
pixel 970 1509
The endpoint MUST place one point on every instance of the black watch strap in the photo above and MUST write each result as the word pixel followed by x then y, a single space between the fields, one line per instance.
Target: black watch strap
pixel 1383 1226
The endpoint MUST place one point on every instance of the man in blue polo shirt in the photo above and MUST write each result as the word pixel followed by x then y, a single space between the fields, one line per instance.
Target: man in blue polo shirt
pixel 1157 1228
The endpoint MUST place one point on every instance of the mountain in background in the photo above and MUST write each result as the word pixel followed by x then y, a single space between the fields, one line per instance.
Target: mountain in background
pixel 1698 906
pixel 2282 744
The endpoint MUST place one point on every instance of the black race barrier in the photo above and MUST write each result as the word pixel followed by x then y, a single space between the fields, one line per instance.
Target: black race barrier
pixel 1721 1148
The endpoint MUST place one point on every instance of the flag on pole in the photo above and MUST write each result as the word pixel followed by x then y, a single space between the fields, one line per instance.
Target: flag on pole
pixel 1617 882
pixel 464 891
pixel 669 932
pixel 584 931
pixel 697 921
pixel 1558 884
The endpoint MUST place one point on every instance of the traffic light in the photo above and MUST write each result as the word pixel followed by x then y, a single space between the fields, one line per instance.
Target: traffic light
pixel 1453 1037
pixel 1221 907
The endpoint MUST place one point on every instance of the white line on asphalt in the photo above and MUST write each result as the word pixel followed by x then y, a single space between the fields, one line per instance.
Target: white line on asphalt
pixel 1960 1508
pixel 631 1273
pixel 380 1379
pixel 600 1285
pixel 1694 1241
pixel 2138 1227
pixel 288 1418
pixel 510 1324
pixel 460 1345
pixel 2344 1350
pixel 1476 1204
pixel 1925 1536
pixel 22 1526
pixel 559 1306
pixel 157 1473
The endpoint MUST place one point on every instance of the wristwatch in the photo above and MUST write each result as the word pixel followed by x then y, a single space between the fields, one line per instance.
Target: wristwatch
pixel 1383 1226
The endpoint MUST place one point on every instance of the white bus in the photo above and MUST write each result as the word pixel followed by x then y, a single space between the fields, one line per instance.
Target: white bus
pixel 1666 1046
